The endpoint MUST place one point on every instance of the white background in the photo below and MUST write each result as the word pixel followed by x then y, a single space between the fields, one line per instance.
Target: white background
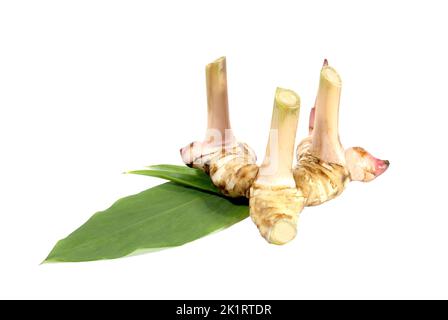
pixel 89 89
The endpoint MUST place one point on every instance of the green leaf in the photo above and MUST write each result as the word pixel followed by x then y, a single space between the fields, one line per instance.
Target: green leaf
pixel 180 174
pixel 165 216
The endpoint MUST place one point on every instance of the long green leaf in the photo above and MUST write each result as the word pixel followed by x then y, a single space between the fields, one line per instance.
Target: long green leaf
pixel 165 216
pixel 180 174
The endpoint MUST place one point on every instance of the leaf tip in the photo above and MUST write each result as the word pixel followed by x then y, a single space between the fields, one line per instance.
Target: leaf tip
pixel 47 260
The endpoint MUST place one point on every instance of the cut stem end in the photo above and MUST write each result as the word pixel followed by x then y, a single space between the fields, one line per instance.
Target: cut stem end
pixel 282 232
pixel 331 75
pixel 287 99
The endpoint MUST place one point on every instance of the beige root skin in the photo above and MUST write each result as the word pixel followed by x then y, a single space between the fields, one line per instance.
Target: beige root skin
pixel 275 202
pixel 275 210
pixel 323 167
pixel 233 170
pixel 230 164
pixel 319 181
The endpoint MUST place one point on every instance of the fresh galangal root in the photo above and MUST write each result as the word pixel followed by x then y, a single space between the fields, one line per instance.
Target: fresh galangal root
pixel 230 163
pixel 323 166
pixel 277 193
pixel 275 202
